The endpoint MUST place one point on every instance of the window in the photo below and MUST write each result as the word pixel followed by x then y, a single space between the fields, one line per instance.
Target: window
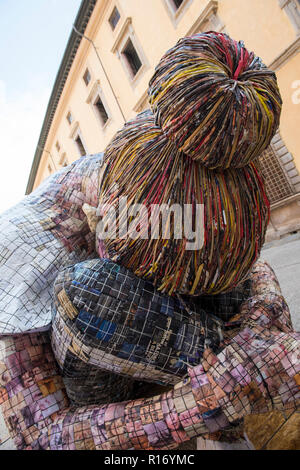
pixel 276 181
pixel 87 77
pixel 80 145
pixel 132 58
pixel 278 167
pixel 114 18
pixel 101 110
pixel 50 169
pixel 176 3
pixel 78 140
pixel 98 103
pixel 63 160
pixel 57 146
pixel 176 9
pixel 292 9
pixel 69 118
pixel 208 20
pixel 142 104
pixel 129 51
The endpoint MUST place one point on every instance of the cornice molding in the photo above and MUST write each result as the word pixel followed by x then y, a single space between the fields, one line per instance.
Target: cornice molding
pixel 283 3
pixel 74 129
pixel 140 102
pixel 62 158
pixel 286 201
pixel 285 56
pixel 210 9
pixel 93 90
pixel 127 24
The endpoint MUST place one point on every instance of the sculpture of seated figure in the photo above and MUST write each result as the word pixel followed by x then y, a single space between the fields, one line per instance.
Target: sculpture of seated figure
pixel 132 342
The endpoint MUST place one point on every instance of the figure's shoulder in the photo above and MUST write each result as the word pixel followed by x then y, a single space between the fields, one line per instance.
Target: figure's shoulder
pixel 88 163
pixel 95 158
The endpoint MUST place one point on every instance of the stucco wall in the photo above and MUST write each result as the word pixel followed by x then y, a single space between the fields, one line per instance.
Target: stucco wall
pixel 263 25
pixel 290 118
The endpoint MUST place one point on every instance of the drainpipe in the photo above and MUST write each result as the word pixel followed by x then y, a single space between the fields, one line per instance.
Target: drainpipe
pixel 52 159
pixel 104 71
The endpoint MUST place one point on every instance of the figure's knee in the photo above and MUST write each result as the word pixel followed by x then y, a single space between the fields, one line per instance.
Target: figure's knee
pixel 86 313
pixel 83 309
pixel 107 317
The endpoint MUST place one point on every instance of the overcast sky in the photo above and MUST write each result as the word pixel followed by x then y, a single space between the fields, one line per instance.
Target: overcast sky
pixel 33 37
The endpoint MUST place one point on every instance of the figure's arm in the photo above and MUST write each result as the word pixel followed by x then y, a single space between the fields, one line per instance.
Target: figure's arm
pixel 265 310
pixel 36 411
pixel 42 233
pixel 257 372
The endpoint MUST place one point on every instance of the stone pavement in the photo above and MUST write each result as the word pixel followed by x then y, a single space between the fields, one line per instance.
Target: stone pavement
pixel 284 257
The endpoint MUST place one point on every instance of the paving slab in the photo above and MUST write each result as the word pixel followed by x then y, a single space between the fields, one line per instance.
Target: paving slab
pixel 284 257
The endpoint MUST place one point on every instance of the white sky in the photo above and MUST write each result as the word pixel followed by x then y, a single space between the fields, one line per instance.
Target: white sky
pixel 33 37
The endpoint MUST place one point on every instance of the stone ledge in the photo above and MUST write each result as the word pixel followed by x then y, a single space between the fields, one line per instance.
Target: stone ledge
pixel 291 51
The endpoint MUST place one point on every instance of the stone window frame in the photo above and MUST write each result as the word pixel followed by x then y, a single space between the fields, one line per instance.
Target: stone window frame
pixel 142 104
pixel 176 14
pixel 63 161
pixel 208 20
pixel 49 168
pixel 114 5
pixel 110 16
pixel 287 164
pixel 71 119
pixel 95 93
pixel 127 32
pixel 292 9
pixel 87 73
pixel 75 132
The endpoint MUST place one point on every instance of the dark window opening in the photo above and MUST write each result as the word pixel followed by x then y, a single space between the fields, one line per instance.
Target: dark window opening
pixel 80 146
pixel 177 3
pixel 87 77
pixel 132 57
pixel 101 110
pixel 69 118
pixel 63 161
pixel 276 181
pixel 114 18
pixel 57 146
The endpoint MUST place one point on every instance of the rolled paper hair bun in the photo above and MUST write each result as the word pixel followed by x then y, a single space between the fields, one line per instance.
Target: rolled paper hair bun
pixel 215 100
pixel 145 167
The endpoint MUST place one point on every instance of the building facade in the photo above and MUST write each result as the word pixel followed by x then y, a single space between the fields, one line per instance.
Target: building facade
pixel 110 57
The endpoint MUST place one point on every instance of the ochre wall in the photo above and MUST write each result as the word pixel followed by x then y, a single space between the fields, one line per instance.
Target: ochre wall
pixel 263 25
pixel 290 118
